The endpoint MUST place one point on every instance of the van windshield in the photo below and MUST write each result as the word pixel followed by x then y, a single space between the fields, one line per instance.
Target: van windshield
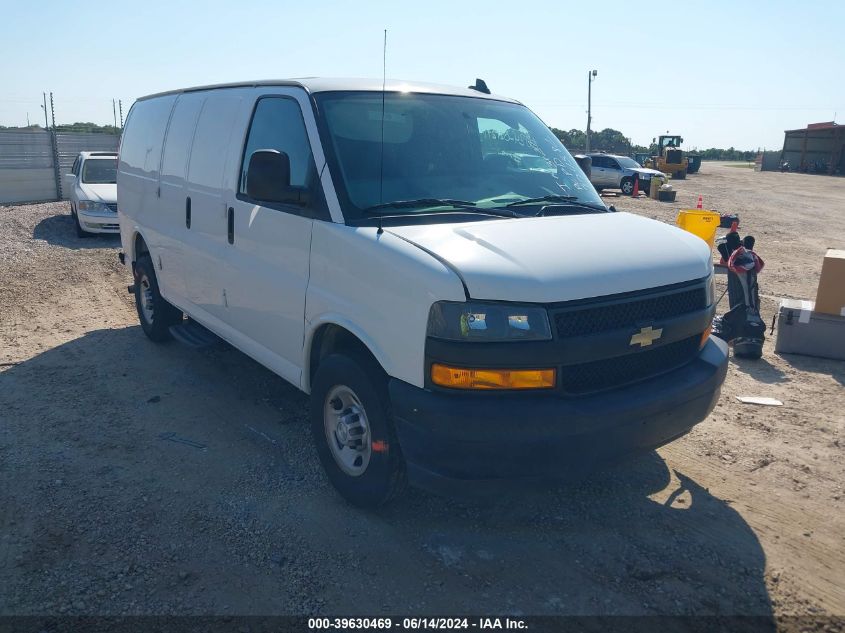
pixel 100 171
pixel 486 153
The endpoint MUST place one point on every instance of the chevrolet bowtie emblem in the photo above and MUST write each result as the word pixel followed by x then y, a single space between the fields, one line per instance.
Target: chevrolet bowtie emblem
pixel 646 336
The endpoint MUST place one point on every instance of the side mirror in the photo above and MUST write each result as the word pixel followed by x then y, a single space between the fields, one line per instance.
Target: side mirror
pixel 268 176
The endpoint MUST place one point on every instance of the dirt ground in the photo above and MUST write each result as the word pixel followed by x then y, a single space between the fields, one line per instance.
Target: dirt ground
pixel 154 479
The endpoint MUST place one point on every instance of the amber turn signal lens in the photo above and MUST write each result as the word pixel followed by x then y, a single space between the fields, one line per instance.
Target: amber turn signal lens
pixel 705 335
pixel 463 378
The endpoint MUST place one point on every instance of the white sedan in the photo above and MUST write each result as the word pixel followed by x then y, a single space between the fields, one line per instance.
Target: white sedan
pixel 93 193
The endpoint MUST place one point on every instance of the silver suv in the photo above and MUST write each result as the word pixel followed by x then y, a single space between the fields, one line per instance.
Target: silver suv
pixel 617 172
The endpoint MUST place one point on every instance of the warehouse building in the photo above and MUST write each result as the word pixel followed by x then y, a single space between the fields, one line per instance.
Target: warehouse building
pixel 817 149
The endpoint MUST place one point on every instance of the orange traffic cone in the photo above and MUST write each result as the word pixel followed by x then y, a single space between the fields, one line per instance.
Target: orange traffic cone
pixel 636 192
pixel 700 203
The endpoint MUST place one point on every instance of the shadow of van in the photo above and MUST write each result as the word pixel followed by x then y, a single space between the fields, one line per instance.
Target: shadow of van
pixel 160 462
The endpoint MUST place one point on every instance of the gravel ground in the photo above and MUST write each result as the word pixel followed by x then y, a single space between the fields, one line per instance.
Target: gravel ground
pixel 153 479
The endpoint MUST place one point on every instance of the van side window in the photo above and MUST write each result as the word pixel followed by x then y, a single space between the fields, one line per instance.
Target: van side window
pixel 75 169
pixel 140 146
pixel 177 144
pixel 277 124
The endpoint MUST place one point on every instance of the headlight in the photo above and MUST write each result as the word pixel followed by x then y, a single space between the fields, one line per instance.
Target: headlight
pixel 88 205
pixel 492 322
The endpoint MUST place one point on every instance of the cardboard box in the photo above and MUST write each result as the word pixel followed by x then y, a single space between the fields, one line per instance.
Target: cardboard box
pixel 803 331
pixel 830 298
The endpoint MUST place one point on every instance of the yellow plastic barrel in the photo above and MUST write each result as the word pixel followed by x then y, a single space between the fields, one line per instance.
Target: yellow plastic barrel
pixel 700 223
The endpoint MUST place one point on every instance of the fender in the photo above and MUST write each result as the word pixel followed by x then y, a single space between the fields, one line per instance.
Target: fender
pixel 333 318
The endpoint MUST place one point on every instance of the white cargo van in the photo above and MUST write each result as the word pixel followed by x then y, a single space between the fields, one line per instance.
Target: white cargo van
pixel 430 264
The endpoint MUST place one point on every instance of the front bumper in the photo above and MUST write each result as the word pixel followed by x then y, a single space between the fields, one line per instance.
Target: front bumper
pixel 486 436
pixel 99 221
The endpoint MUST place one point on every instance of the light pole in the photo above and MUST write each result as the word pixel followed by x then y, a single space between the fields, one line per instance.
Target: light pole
pixel 591 75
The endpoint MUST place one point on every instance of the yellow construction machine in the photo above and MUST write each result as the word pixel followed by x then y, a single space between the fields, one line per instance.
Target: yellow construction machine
pixel 670 157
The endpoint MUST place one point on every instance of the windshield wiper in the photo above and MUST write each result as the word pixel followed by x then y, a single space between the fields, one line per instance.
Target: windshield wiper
pixel 498 213
pixel 549 198
pixel 564 201
pixel 422 202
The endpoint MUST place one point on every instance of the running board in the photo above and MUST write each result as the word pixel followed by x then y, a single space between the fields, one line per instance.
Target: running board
pixel 193 334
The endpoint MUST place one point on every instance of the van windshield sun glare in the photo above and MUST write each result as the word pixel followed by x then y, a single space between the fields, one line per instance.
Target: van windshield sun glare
pixel 432 153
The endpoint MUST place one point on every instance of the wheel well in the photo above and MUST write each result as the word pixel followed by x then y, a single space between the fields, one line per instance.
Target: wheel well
pixel 330 339
pixel 140 246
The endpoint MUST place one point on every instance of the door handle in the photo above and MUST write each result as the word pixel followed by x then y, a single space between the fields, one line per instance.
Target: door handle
pixel 230 221
pixel 188 212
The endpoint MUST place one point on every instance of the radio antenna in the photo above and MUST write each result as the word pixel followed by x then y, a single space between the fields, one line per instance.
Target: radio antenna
pixel 383 85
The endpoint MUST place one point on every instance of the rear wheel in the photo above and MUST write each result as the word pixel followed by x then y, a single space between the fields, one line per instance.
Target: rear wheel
pixel 154 312
pixel 353 430
pixel 680 175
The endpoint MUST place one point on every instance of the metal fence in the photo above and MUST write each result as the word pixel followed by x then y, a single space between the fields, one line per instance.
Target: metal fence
pixel 33 163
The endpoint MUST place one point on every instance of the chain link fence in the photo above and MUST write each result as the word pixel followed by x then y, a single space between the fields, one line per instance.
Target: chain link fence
pixel 33 163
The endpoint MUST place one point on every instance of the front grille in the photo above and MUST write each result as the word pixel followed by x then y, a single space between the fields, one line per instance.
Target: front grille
pixel 112 206
pixel 592 319
pixel 613 372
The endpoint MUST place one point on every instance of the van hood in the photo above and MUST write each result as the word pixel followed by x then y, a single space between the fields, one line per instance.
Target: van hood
pixel 99 193
pixel 549 259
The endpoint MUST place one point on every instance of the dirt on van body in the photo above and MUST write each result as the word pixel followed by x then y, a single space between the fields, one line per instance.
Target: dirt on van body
pixel 138 478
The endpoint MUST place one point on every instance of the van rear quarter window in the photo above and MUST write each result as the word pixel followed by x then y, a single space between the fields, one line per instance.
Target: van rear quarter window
pixel 211 141
pixel 180 131
pixel 140 148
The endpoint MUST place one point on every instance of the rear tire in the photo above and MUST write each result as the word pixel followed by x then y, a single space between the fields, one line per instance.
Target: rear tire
pixel 680 175
pixel 154 312
pixel 353 430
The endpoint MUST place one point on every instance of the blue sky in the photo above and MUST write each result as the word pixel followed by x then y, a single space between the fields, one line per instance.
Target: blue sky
pixel 719 73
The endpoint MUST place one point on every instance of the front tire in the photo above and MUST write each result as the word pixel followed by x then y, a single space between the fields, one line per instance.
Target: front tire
pixel 80 232
pixel 353 430
pixel 627 186
pixel 154 312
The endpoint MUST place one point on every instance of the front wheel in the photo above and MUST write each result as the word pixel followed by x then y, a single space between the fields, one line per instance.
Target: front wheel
pixel 80 232
pixel 154 312
pixel 627 186
pixel 353 430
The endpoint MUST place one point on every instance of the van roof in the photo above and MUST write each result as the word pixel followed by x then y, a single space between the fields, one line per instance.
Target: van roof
pixel 325 84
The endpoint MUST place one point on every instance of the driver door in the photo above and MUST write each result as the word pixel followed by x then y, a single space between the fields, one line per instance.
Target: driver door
pixel 269 241
pixel 613 172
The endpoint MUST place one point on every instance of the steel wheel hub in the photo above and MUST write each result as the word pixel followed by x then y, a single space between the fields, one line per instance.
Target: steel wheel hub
pixel 147 304
pixel 347 430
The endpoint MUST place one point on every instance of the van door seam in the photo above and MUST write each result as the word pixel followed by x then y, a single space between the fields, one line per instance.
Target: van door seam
pixel 303 360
